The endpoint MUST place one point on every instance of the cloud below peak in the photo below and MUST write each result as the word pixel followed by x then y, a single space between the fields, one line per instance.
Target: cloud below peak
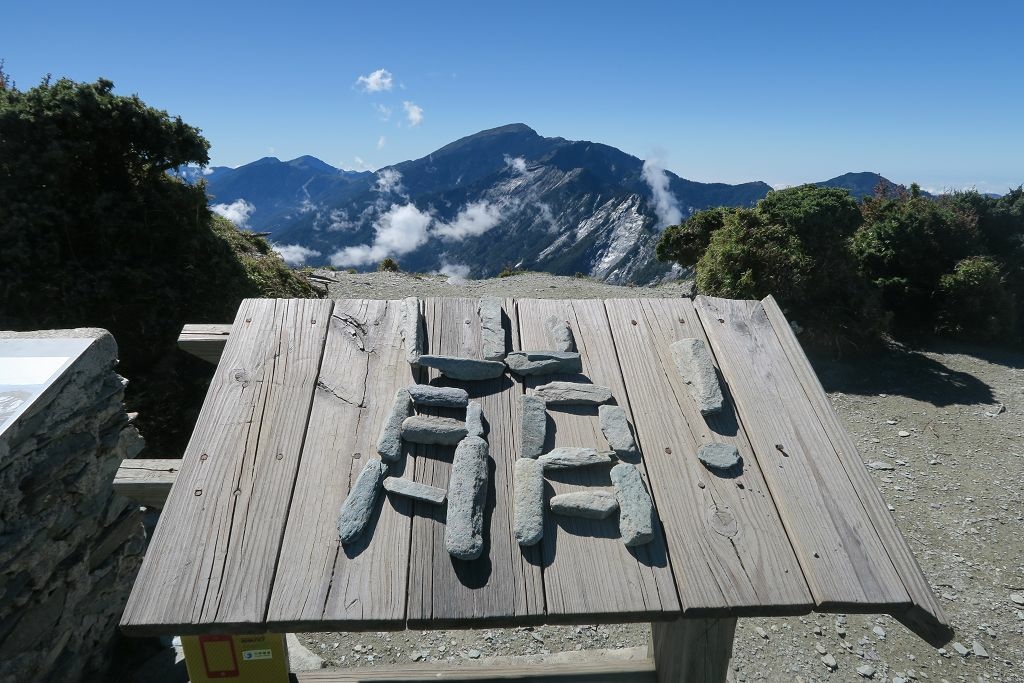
pixel 380 80
pixel 237 212
pixel 474 219
pixel 400 230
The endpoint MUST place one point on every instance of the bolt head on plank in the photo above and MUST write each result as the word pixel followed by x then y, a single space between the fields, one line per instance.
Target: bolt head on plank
pixel 567 457
pixel 430 430
pixel 573 393
pixel 447 397
pixel 466 369
pixel 598 504
pixel 544 362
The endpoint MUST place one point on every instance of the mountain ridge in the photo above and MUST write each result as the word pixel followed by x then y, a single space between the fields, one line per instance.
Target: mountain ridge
pixel 552 204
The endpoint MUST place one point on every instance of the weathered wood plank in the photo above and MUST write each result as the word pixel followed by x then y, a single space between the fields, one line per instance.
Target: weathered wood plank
pixel 205 341
pixel 844 561
pixel 215 550
pixel 692 650
pixel 587 569
pixel 147 481
pixel 504 585
pixel 604 670
pixel 320 583
pixel 926 616
pixel 729 550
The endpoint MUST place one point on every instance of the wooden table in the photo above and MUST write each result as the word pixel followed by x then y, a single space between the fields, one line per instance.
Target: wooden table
pixel 248 542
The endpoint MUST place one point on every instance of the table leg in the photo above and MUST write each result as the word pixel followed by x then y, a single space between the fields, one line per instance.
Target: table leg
pixel 692 650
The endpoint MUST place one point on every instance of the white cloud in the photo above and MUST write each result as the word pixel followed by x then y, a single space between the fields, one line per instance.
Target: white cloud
pixel 517 164
pixel 666 206
pixel 389 180
pixel 381 141
pixel 379 81
pixel 547 216
pixel 457 273
pixel 398 231
pixel 237 212
pixel 207 170
pixel 295 254
pixel 360 164
pixel 413 112
pixel 474 219
pixel 340 221
pixel 383 111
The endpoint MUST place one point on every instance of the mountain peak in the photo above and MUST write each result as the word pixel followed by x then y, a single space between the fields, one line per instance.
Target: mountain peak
pixel 311 163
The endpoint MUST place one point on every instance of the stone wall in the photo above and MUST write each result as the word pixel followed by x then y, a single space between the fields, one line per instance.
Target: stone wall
pixel 69 548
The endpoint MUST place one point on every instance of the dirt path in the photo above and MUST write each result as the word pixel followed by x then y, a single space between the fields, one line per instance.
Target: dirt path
pixel 955 485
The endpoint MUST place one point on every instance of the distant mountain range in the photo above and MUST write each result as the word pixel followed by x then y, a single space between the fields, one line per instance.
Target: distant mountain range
pixel 502 198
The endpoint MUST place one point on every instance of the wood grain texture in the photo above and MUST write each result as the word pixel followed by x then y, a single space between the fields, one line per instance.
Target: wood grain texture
pixel 213 556
pixel 322 584
pixel 604 671
pixel 692 650
pixel 926 616
pixel 147 481
pixel 205 341
pixel 504 585
pixel 728 547
pixel 587 568
pixel 844 561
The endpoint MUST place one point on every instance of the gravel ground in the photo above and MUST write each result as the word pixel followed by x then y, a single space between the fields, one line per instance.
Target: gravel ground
pixel 941 428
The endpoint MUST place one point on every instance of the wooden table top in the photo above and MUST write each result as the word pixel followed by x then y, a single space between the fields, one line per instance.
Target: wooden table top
pixel 247 541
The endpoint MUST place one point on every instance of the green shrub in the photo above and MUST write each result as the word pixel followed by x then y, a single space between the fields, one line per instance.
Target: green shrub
pixel 509 271
pixel 794 244
pixel 906 244
pixel 389 265
pixel 975 303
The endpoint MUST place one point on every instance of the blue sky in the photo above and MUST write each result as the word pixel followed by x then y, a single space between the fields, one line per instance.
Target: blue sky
pixel 781 92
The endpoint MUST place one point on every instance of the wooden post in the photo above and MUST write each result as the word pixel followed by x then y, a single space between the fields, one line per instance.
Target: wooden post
pixel 692 650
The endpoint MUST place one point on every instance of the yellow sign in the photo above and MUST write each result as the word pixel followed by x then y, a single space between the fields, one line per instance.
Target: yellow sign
pixel 242 659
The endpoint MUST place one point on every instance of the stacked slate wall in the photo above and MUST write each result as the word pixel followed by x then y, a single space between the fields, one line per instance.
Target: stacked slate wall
pixel 69 547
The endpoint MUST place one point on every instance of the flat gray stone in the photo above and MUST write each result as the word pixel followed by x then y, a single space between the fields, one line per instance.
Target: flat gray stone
pixel 544 362
pixel 559 334
pixel 389 445
pixel 719 456
pixel 415 490
pixel 467 369
pixel 693 360
pixel 573 393
pixel 427 429
pixel 636 509
pixel 467 493
pixel 615 427
pixel 412 329
pixel 528 500
pixel 474 419
pixel 492 334
pixel 358 506
pixel 567 457
pixel 301 658
pixel 535 425
pixel 597 504
pixel 429 395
